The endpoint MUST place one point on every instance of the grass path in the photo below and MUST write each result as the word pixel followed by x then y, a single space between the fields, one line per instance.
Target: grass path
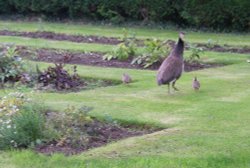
pixel 42 43
pixel 88 29
pixel 206 129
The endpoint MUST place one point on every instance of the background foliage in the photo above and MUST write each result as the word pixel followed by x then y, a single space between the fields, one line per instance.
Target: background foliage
pixel 216 14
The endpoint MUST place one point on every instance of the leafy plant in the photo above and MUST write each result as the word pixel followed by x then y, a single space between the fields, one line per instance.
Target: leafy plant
pixel 154 52
pixel 11 65
pixel 120 52
pixel 195 54
pixel 123 50
pixel 59 78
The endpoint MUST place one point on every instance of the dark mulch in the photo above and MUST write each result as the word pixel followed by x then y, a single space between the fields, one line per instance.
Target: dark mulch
pixel 63 37
pixel 226 48
pixel 95 59
pixel 105 134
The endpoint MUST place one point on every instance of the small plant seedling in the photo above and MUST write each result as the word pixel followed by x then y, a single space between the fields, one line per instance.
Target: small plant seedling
pixel 195 54
pixel 211 43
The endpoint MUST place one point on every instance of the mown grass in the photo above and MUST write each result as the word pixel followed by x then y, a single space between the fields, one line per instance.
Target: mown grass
pixel 209 128
pixel 205 129
pixel 42 43
pixel 88 29
pixel 57 161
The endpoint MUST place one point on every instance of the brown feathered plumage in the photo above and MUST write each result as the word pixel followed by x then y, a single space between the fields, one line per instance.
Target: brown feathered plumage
pixel 172 67
pixel 196 84
pixel 126 79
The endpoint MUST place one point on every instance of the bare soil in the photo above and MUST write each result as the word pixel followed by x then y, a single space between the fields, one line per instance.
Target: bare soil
pixel 94 59
pixel 63 37
pixel 103 133
pixel 111 40
pixel 85 84
pixel 225 48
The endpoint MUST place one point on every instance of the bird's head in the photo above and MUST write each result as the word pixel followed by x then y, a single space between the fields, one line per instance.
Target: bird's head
pixel 181 36
pixel 195 78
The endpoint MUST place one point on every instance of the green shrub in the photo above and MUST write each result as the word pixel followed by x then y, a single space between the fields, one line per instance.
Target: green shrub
pixel 110 15
pixel 21 123
pixel 218 14
pixel 153 52
pixel 124 50
pixel 11 65
pixel 120 52
pixel 5 7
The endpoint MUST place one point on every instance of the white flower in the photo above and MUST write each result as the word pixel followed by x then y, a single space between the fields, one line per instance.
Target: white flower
pixel 8 121
pixel 8 126
pixel 15 145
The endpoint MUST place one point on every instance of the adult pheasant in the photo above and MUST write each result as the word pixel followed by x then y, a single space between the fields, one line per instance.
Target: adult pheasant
pixel 171 68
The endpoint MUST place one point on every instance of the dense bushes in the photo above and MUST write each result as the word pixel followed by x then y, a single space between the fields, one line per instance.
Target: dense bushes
pixel 217 14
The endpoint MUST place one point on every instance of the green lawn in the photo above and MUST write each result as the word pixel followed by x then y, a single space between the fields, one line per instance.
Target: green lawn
pixel 88 29
pixel 204 129
pixel 42 43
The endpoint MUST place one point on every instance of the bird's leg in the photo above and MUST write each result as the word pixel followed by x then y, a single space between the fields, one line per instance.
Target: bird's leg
pixel 173 85
pixel 168 88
